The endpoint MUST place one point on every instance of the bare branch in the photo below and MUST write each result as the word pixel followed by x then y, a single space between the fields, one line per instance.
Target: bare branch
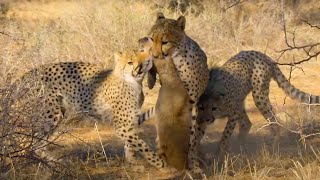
pixel 10 36
pixel 301 61
pixel 292 45
pixel 299 129
pixel 236 2
pixel 313 26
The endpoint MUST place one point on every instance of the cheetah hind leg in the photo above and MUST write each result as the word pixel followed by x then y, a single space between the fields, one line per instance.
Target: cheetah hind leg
pixel 244 128
pixel 261 100
pixel 129 154
pixel 52 118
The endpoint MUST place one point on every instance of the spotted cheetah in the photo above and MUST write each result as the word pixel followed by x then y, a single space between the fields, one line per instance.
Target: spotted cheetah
pixel 230 84
pixel 169 39
pixel 89 89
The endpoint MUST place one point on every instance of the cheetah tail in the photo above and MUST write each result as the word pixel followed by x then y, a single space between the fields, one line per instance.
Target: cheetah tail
pixel 292 91
pixel 146 115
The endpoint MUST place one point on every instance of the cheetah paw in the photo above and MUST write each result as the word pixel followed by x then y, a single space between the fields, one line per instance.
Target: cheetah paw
pixel 197 171
pixel 138 168
pixel 168 170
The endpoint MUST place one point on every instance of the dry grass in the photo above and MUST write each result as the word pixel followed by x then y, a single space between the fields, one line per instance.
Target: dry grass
pixel 40 32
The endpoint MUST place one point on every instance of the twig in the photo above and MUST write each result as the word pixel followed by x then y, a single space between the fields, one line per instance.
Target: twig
pixel 293 46
pixel 86 169
pixel 236 2
pixel 299 130
pixel 14 170
pixel 303 136
pixel 303 60
pixel 10 36
pixel 313 26
pixel 104 152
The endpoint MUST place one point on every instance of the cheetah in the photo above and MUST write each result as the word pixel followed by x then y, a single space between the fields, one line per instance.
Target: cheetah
pixel 248 71
pixel 173 115
pixel 170 40
pixel 89 89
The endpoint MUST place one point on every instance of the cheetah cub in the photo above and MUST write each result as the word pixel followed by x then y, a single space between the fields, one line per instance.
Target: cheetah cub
pixel 228 87
pixel 89 89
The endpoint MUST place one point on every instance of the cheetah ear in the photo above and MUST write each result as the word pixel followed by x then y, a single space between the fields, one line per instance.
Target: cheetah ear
pixel 142 43
pixel 117 56
pixel 160 16
pixel 220 96
pixel 181 21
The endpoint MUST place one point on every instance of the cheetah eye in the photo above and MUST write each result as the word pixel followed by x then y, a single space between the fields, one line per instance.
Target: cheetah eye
pixel 201 108
pixel 130 63
pixel 214 108
pixel 164 42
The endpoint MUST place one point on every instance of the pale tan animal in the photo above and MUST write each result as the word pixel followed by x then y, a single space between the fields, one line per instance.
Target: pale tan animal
pixel 173 115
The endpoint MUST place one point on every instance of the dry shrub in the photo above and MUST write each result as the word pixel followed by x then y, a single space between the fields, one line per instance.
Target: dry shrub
pixel 24 133
pixel 301 124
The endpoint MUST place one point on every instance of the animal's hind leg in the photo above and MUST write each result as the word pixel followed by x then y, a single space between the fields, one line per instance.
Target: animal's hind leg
pixel 244 126
pixel 261 99
pixel 129 153
pixel 50 120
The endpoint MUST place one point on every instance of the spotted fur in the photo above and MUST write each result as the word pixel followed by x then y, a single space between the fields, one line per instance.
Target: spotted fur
pixel 170 39
pixel 248 71
pixel 106 94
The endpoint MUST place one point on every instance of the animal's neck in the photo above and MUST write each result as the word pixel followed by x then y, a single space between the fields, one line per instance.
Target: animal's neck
pixel 128 79
pixel 117 71
pixel 167 72
pixel 170 79
pixel 181 48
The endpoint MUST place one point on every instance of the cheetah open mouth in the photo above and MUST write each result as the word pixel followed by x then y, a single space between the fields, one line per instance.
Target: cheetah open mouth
pixel 145 66
pixel 139 69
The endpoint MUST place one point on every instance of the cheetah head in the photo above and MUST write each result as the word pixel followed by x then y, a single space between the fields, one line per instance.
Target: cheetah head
pixel 209 107
pixel 166 35
pixel 133 62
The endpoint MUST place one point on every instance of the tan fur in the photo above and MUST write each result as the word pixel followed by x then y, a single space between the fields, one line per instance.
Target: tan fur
pixel 173 115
